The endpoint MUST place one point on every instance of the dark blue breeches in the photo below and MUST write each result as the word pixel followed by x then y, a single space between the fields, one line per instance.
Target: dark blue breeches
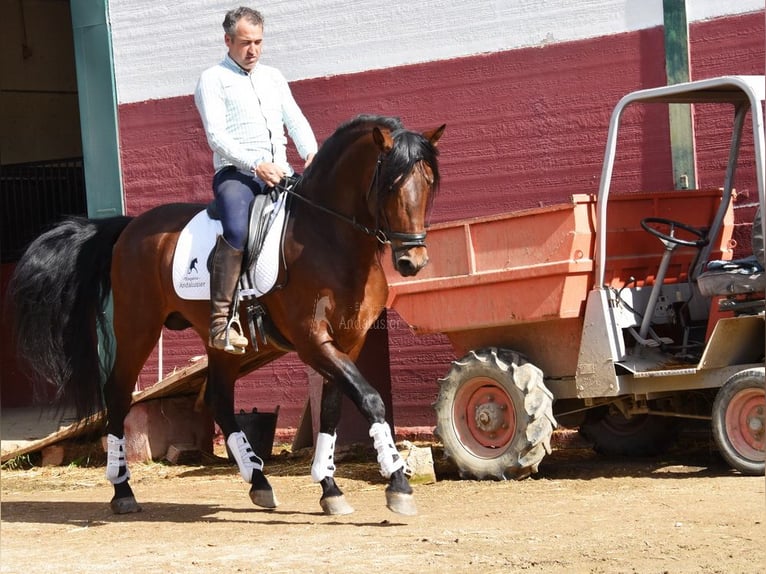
pixel 234 192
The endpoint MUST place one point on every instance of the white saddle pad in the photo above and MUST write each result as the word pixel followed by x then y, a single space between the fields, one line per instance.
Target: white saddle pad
pixel 191 277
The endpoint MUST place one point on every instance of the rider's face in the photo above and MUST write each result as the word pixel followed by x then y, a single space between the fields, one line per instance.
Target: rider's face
pixel 246 44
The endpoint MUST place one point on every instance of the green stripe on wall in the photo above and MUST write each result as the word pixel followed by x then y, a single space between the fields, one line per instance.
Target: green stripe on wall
pixel 677 70
pixel 98 107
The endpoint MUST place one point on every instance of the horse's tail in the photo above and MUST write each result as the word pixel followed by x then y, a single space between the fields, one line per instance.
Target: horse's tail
pixel 58 294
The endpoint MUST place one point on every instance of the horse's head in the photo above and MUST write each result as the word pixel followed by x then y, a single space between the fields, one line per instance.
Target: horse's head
pixel 380 178
pixel 406 179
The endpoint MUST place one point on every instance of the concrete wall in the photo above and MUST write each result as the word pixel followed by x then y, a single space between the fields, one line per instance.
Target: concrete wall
pixel 39 114
pixel 526 89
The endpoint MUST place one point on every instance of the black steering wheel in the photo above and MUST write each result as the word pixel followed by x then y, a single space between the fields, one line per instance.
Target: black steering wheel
pixel 647 223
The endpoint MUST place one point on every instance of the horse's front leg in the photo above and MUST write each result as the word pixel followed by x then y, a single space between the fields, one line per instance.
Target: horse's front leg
pixel 333 502
pixel 399 497
pixel 337 367
pixel 219 396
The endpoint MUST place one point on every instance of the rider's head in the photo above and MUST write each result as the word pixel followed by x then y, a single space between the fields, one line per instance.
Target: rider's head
pixel 243 34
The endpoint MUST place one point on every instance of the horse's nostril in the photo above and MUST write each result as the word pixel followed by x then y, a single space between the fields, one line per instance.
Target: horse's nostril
pixel 410 262
pixel 406 267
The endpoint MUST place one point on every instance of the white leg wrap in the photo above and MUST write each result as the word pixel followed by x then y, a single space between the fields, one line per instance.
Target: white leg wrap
pixel 323 465
pixel 388 457
pixel 115 460
pixel 247 460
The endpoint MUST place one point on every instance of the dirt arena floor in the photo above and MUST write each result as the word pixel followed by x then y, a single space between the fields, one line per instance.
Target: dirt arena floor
pixel 680 513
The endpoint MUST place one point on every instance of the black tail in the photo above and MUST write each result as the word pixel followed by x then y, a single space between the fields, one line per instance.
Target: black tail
pixel 57 295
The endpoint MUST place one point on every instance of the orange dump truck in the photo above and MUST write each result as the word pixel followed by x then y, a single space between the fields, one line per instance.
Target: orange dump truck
pixel 600 314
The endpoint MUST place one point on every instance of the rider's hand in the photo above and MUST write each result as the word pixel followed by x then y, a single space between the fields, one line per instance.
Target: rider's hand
pixel 309 159
pixel 269 173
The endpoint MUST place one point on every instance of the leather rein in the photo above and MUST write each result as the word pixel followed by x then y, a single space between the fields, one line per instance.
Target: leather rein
pixel 406 240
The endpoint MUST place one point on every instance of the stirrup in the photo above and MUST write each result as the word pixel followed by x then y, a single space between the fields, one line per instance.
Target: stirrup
pixel 224 336
pixel 228 347
pixel 231 323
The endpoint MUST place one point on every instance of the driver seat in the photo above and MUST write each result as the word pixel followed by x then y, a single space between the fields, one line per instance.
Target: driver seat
pixel 739 276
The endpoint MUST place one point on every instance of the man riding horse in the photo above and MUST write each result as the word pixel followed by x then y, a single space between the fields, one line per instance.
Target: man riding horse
pixel 244 106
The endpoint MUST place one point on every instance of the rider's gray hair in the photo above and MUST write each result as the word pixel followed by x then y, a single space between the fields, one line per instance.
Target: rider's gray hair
pixel 234 16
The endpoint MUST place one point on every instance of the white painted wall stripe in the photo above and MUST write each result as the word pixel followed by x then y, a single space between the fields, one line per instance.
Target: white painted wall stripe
pixel 160 48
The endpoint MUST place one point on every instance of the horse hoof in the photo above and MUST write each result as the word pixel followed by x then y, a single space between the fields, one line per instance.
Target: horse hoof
pixel 336 506
pixel 401 503
pixel 125 505
pixel 264 498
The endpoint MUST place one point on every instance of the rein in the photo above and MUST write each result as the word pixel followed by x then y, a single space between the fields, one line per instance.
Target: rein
pixel 384 237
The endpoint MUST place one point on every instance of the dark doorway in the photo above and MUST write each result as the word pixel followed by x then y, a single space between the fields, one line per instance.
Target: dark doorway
pixel 41 167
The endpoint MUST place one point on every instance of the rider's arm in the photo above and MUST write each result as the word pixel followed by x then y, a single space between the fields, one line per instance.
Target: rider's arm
pixel 296 123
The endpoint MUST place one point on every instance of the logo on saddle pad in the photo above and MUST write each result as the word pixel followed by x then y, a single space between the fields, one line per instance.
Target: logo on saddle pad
pixel 191 277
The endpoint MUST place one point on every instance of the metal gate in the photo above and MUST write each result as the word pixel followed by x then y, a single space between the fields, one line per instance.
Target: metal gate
pixel 34 196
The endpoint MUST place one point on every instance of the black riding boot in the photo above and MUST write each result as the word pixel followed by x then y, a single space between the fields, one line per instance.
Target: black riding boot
pixel 224 274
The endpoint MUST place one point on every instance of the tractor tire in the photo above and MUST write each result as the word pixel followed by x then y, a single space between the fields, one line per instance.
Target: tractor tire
pixel 738 421
pixel 494 415
pixel 612 434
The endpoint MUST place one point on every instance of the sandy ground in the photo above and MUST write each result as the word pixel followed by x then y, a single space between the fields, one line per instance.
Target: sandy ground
pixel 684 512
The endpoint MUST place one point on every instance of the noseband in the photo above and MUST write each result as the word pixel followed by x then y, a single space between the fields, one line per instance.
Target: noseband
pixel 406 240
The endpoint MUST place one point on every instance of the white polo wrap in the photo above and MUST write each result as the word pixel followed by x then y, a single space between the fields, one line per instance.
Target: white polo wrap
pixel 115 460
pixel 243 453
pixel 388 457
pixel 323 465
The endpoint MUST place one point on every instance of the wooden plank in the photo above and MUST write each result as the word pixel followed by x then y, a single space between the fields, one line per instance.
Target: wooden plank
pixel 186 381
pixel 74 430
pixel 681 115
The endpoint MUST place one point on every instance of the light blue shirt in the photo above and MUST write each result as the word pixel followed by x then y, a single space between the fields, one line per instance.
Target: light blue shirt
pixel 245 115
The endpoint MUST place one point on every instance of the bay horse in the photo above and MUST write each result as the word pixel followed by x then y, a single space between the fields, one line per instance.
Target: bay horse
pixel 371 184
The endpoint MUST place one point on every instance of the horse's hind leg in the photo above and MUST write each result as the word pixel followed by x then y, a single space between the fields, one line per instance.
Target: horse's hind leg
pixel 135 335
pixel 323 466
pixel 223 369
pixel 118 393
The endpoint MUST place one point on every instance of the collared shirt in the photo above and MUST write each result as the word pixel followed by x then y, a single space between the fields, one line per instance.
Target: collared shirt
pixel 245 115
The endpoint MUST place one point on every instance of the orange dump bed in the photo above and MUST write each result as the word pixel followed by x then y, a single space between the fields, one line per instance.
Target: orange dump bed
pixel 526 275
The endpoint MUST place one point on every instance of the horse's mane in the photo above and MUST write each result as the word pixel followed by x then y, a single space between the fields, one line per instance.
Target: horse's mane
pixel 409 148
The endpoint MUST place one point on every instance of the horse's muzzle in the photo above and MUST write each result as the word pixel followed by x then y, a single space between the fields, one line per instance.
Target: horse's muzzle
pixel 409 260
pixel 408 250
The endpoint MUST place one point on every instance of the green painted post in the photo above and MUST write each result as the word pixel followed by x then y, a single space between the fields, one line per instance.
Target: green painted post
pixel 98 107
pixel 98 122
pixel 677 70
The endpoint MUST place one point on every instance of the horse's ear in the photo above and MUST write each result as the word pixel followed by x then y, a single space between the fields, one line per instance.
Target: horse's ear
pixel 434 135
pixel 382 139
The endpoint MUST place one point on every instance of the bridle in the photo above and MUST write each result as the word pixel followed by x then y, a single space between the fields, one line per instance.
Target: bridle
pixel 406 240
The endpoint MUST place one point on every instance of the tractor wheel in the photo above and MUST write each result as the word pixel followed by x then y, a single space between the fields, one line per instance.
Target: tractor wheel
pixel 494 415
pixel 738 421
pixel 613 434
